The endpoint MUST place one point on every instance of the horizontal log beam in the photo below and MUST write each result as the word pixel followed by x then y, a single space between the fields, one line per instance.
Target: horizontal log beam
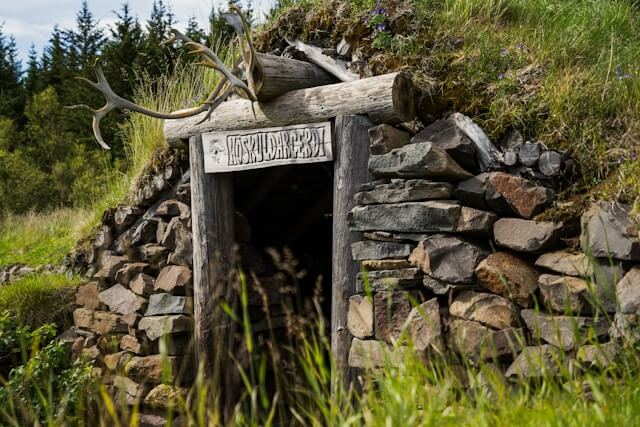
pixel 388 98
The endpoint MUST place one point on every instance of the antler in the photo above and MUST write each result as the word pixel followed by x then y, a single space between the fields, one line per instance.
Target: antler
pixel 227 84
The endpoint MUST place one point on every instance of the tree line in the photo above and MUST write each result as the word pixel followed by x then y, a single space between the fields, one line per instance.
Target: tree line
pixel 48 157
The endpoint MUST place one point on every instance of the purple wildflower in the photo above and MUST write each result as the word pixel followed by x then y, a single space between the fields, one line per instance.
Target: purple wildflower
pixel 381 27
pixel 500 76
pixel 504 52
pixel 634 155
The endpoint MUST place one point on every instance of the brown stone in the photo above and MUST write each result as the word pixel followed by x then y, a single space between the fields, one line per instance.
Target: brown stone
pixel 384 138
pixel 508 276
pixel 174 278
pixel 360 316
pixel 478 342
pixel 107 323
pixel 109 266
pixel 116 361
pixel 83 318
pixel 137 345
pixel 173 208
pixel 565 332
pixel 628 292
pixel 526 236
pixel 489 309
pixel 385 264
pixel 157 326
pixel 391 310
pixel 142 284
pixel 121 300
pixel 598 355
pixel 387 280
pixel 145 232
pixel 425 328
pixel 152 369
pixel 131 270
pixel 523 197
pixel 132 392
pixel 566 263
pixel 536 361
pixel 475 222
pixel 125 216
pixel 564 294
pixel 87 296
pixel 153 254
pixel 165 396
pixel 372 354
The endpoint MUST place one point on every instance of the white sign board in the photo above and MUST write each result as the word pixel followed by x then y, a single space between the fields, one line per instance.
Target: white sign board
pixel 238 150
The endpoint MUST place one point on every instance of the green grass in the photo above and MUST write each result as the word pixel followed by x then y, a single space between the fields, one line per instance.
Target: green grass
pixel 40 298
pixel 564 72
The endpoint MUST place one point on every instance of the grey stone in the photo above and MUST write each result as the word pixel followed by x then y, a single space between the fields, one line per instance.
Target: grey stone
pixel 420 160
pixel 360 316
pixel 413 217
pixel 125 216
pixel 477 342
pixel 606 274
pixel 471 192
pixel 131 270
pixel 628 292
pixel 526 236
pixel 385 280
pixel 446 135
pixel 369 249
pixel 154 254
pixel 488 309
pixel 173 208
pixel 550 163
pixel 373 354
pixel 565 294
pixel 448 258
pixel 512 140
pixel 157 326
pixel 404 190
pixel 565 332
pixel 625 327
pixel 142 284
pixel 425 327
pixel 165 303
pixel 510 158
pixel 529 153
pixel 145 232
pixel 391 311
pixel 567 263
pixel 509 276
pixel 121 300
pixel 440 287
pixel 598 355
pixel 536 362
pixel 384 138
pixel 475 222
pixel 609 231
pixel 109 266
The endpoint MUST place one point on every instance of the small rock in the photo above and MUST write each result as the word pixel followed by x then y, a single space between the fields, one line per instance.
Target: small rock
pixel 519 195
pixel 368 249
pixel 404 190
pixel 471 192
pixel 152 369
pixel 174 233
pixel 449 137
pixel 165 396
pixel 83 318
pixel 344 48
pixel 371 354
pixel 391 310
pixel 413 217
pixel 115 361
pixel 489 309
pixel 384 138
pixel 121 300
pixel 606 274
pixel 599 355
pixel 107 323
pixel 608 231
pixel 133 392
pixel 169 304
pixel 488 156
pixel 385 280
pixel 478 342
pixel 87 296
pixel 420 160
pixel 175 279
pixel 440 287
pixel 142 285
pixel 565 294
pixel 131 270
pixel 512 140
pixel 448 258
pixel 475 222
pixel 529 153
pixel 153 254
pixel 425 328
pixel 125 216
pixel 137 345
pixel 566 263
pixel 109 266
pixel 628 292
pixel 510 158
pixel 360 316
pixel 508 276
pixel 625 327
pixel 526 236
pixel 173 208
pixel 536 362
pixel 157 326
pixel 565 332
pixel 145 232
pixel 385 264
pixel 550 163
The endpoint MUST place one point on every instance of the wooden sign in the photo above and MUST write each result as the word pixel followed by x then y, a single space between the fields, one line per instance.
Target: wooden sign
pixel 228 151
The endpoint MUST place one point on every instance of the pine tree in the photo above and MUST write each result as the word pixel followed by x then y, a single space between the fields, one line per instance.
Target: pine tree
pixel 194 32
pixel 55 61
pixel 87 40
pixel 158 58
pixel 11 90
pixel 33 80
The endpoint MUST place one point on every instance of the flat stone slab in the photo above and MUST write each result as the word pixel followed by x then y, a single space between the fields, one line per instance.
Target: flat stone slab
pixel 565 294
pixel 448 258
pixel 509 276
pixel 440 287
pixel 386 280
pixel 385 264
pixel 448 136
pixel 374 354
pixel 526 236
pixel 370 249
pixel 121 300
pixel 412 217
pixel 419 160
pixel 609 231
pixel 488 309
pixel 564 332
pixel 164 303
pixel 567 263
pixel 404 190
pixel 158 326
pixel 536 362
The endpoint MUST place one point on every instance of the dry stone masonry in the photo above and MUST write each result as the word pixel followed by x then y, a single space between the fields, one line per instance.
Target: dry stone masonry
pixel 453 255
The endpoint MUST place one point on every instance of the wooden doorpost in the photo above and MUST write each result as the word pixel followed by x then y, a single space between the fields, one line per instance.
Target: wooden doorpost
pixel 212 216
pixel 351 156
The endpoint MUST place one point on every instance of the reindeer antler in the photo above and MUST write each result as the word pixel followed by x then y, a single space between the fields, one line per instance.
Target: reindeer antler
pixel 227 84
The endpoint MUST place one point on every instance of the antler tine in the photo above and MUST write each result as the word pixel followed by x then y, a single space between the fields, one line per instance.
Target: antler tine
pixel 248 51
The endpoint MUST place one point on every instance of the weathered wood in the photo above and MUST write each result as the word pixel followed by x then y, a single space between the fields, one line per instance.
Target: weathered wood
pixel 275 75
pixel 385 99
pixel 213 213
pixel 336 67
pixel 238 150
pixel 350 171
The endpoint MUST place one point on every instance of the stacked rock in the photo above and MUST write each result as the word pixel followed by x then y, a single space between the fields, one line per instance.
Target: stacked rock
pixel 459 264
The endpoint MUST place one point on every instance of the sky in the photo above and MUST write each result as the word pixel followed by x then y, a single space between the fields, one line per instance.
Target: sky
pixel 32 21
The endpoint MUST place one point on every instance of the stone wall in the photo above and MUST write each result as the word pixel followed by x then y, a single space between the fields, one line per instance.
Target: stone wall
pixel 455 256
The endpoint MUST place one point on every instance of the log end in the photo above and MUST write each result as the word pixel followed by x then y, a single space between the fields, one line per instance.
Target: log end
pixel 404 98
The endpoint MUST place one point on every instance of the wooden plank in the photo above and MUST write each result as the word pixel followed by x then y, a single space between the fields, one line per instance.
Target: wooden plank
pixel 336 67
pixel 388 98
pixel 212 212
pixel 260 148
pixel 350 171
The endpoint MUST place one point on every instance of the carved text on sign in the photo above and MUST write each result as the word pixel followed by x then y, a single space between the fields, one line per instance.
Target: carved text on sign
pixel 228 151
